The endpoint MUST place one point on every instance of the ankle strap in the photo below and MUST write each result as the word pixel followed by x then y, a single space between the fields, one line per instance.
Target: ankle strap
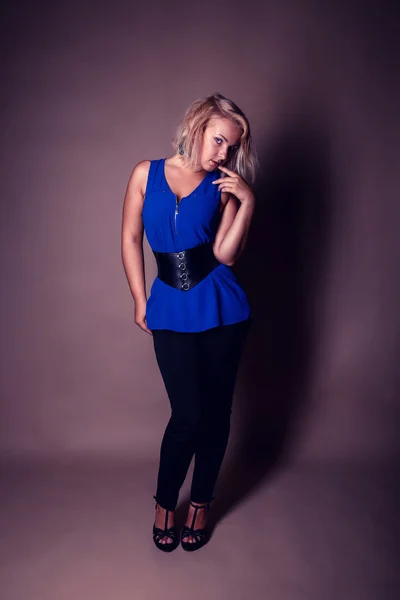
pixel 206 505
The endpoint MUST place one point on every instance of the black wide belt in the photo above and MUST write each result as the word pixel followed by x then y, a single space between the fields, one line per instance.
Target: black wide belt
pixel 183 270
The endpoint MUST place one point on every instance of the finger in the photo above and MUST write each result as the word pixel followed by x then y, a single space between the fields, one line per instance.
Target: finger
pixel 225 170
pixel 227 185
pixel 143 326
pixel 223 179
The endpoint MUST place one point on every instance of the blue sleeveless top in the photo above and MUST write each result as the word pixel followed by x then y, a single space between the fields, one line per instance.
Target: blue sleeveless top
pixel 170 227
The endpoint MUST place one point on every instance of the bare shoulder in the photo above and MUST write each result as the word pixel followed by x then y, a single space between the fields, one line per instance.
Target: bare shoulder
pixel 223 200
pixel 142 166
pixel 139 175
pixel 225 197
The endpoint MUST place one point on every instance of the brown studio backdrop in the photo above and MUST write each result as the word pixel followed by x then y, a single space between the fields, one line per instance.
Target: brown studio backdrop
pixel 91 91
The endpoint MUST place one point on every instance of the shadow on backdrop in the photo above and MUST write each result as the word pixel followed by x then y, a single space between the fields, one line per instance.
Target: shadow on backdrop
pixel 281 272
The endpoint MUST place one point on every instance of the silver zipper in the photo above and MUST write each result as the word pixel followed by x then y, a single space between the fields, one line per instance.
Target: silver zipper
pixel 176 212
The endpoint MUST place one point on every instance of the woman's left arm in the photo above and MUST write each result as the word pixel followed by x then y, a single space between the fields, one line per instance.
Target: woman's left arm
pixel 234 226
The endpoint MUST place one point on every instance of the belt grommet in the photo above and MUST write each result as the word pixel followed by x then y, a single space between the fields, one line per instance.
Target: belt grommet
pixel 185 286
pixel 182 266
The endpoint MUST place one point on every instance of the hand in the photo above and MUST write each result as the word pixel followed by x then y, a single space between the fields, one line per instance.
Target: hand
pixel 236 185
pixel 140 317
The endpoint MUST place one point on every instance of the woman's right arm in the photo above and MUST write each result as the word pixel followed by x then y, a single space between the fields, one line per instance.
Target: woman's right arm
pixel 132 240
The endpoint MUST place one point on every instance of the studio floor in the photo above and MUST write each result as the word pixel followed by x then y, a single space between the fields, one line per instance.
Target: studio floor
pixel 82 530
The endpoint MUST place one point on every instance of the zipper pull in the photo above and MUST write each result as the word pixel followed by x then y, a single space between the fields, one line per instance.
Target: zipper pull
pixel 176 212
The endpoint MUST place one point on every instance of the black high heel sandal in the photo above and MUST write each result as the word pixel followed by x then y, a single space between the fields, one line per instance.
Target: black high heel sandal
pixel 170 533
pixel 198 534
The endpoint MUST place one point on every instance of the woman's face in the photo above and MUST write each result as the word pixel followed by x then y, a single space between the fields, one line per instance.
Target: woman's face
pixel 221 139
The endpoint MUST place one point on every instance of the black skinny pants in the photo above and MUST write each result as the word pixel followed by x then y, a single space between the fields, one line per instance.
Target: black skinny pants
pixel 199 373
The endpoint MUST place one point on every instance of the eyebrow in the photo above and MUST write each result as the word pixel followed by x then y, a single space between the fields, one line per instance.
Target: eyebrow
pixel 220 134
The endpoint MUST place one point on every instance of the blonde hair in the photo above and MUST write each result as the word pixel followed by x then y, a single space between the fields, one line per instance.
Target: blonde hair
pixel 189 134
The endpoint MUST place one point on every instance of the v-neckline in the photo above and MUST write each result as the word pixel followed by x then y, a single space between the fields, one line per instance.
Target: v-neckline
pixel 191 193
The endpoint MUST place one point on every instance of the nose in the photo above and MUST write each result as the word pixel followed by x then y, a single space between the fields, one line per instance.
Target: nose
pixel 221 155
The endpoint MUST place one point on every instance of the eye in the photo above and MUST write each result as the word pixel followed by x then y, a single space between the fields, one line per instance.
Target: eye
pixel 218 140
pixel 234 148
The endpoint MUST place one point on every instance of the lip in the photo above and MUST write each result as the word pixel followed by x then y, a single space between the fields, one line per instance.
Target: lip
pixel 214 162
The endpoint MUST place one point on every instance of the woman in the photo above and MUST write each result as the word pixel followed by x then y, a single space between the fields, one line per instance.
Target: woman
pixel 196 208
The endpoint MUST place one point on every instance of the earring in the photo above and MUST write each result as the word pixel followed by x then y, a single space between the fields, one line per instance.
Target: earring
pixel 180 148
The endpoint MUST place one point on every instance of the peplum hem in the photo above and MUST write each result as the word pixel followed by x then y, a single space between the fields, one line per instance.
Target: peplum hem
pixel 217 300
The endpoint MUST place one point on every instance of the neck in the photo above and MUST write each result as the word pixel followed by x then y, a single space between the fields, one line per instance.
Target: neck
pixel 181 162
